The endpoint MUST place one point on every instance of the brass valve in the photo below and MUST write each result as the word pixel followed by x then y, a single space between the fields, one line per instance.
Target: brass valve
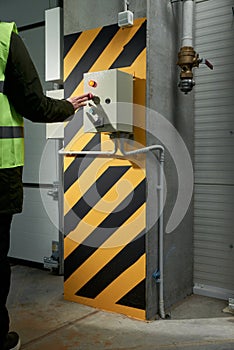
pixel 187 60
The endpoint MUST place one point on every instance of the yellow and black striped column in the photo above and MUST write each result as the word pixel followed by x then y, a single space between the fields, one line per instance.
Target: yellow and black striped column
pixel 105 199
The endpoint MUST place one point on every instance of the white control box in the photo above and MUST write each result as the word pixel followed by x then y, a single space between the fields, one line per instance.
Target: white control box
pixel 111 108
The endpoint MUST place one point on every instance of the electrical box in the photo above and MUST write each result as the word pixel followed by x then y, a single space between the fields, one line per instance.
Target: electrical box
pixel 110 108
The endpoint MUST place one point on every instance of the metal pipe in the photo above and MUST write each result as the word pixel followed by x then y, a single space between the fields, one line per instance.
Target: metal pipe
pixel 187 57
pixel 160 188
pixel 140 150
pixel 187 30
pixel 91 153
pixel 126 3
pixel 61 211
pixel 161 240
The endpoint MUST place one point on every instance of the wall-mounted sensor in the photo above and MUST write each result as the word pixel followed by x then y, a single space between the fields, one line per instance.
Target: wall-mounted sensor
pixel 125 19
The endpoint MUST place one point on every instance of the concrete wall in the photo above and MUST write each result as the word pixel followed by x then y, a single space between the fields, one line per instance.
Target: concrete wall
pixel 164 97
pixel 80 15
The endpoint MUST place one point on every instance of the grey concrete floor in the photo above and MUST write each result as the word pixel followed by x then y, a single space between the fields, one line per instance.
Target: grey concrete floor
pixel 46 321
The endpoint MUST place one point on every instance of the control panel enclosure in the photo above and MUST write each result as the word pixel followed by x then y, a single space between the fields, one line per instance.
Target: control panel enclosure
pixel 110 108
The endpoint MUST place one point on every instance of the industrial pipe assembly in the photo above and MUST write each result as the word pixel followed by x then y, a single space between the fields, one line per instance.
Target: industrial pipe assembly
pixel 187 57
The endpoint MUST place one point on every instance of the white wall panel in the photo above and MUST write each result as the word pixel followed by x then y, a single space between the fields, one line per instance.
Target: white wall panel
pixel 33 231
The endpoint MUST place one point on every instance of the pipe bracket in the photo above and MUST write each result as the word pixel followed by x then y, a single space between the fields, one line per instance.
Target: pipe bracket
pixel 156 276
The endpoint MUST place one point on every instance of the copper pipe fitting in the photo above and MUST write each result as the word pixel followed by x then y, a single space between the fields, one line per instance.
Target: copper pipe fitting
pixel 187 60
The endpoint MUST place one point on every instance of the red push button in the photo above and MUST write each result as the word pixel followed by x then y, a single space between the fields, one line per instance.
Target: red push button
pixel 90 96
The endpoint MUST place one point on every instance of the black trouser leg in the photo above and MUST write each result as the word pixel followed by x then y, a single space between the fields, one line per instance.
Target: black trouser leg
pixel 5 274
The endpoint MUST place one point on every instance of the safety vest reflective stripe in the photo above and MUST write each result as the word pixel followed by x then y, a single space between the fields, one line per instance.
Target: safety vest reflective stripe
pixel 11 132
pixel 1 86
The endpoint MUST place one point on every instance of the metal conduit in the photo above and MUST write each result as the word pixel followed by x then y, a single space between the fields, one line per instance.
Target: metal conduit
pixel 160 188
pixel 91 153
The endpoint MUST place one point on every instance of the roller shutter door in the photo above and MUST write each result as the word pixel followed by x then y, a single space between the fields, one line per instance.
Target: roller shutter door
pixel 214 150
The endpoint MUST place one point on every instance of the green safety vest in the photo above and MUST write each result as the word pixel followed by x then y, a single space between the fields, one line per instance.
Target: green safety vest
pixel 11 123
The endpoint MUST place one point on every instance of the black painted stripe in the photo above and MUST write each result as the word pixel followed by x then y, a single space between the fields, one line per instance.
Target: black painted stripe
pixel 76 259
pixel 89 58
pixel 132 49
pixel 73 127
pixel 108 226
pixel 104 183
pixel 135 297
pixel 69 41
pixel 126 208
pixel 1 86
pixel 120 263
pixel 11 132
pixel 78 166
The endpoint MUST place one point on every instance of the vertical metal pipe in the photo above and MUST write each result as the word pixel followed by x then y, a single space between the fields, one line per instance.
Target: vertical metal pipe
pixel 61 210
pixel 187 30
pixel 161 238
pixel 160 187
pixel 187 57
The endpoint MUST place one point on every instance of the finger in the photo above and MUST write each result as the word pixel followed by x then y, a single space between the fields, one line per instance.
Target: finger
pixel 81 99
pixel 84 95
pixel 82 104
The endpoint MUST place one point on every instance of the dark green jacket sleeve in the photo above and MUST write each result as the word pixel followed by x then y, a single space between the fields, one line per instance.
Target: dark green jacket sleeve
pixel 24 89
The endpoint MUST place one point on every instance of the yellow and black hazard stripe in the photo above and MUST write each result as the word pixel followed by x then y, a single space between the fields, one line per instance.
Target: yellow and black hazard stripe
pixel 118 48
pixel 104 199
